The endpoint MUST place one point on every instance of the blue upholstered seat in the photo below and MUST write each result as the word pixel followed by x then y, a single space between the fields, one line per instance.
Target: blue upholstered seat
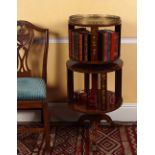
pixel 31 89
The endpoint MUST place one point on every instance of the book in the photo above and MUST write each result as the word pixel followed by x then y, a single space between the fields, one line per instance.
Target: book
pixel 89 46
pixel 108 45
pixel 80 97
pixel 73 43
pixel 105 47
pixel 103 42
pixel 112 50
pixel 92 101
pixel 100 46
pixel 80 44
pixel 84 44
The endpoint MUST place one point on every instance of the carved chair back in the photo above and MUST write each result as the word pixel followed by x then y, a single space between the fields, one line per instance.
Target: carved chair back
pixel 32 46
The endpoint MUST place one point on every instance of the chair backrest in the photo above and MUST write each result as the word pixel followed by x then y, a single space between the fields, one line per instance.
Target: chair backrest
pixel 32 47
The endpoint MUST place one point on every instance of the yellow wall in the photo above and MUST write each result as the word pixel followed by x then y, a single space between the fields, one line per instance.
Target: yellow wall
pixel 58 54
pixel 54 15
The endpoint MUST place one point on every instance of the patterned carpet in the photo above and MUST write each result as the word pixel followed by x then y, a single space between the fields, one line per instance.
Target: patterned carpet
pixel 69 139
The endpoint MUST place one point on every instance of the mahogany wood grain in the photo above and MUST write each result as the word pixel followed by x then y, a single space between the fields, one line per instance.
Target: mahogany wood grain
pixel 94 68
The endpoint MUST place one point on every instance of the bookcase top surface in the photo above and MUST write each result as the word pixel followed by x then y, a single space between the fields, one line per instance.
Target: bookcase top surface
pixel 94 68
pixel 94 19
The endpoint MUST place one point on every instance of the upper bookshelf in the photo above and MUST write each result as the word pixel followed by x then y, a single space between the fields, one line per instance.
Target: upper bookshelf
pixel 94 38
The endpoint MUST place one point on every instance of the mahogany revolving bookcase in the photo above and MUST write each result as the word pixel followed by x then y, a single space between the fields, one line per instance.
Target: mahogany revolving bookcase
pixel 94 51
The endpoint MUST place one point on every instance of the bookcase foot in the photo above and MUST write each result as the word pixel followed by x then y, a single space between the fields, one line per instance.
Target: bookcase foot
pixel 107 118
pixel 93 134
pixel 86 117
pixel 96 118
pixel 94 125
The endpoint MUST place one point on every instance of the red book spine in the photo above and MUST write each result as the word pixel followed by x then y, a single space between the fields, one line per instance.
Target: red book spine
pixel 105 46
pixel 100 46
pixel 92 101
pixel 112 50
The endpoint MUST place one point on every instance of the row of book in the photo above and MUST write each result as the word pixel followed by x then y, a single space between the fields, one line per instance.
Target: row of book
pixel 97 97
pixel 80 45
pixel 95 101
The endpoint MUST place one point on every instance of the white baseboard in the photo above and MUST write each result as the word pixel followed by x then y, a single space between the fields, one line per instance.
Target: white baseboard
pixel 61 112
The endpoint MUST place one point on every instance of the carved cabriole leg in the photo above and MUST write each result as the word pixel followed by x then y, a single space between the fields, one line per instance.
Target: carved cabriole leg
pixel 97 118
pixel 94 122
pixel 107 118
pixel 94 126
pixel 83 118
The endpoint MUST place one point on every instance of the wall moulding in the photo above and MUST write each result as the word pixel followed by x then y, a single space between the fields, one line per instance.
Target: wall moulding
pixel 124 40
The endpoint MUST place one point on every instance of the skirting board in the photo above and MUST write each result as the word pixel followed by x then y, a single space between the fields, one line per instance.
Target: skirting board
pixel 61 112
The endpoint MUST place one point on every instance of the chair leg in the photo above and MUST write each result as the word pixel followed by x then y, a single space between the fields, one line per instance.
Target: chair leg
pixel 42 116
pixel 46 126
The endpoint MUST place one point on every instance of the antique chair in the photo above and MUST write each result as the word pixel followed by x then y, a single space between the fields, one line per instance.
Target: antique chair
pixel 32 48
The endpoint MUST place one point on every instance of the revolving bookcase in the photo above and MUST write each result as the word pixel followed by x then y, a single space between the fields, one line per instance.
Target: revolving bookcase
pixel 94 51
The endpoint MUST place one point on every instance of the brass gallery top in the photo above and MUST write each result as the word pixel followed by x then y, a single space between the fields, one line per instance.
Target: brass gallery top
pixel 94 19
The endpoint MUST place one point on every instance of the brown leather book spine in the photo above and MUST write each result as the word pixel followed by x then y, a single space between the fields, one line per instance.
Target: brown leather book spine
pixel 85 49
pixel 80 47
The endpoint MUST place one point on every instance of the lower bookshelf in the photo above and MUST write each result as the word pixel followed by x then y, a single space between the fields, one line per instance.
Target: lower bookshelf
pixel 112 103
pixel 95 100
